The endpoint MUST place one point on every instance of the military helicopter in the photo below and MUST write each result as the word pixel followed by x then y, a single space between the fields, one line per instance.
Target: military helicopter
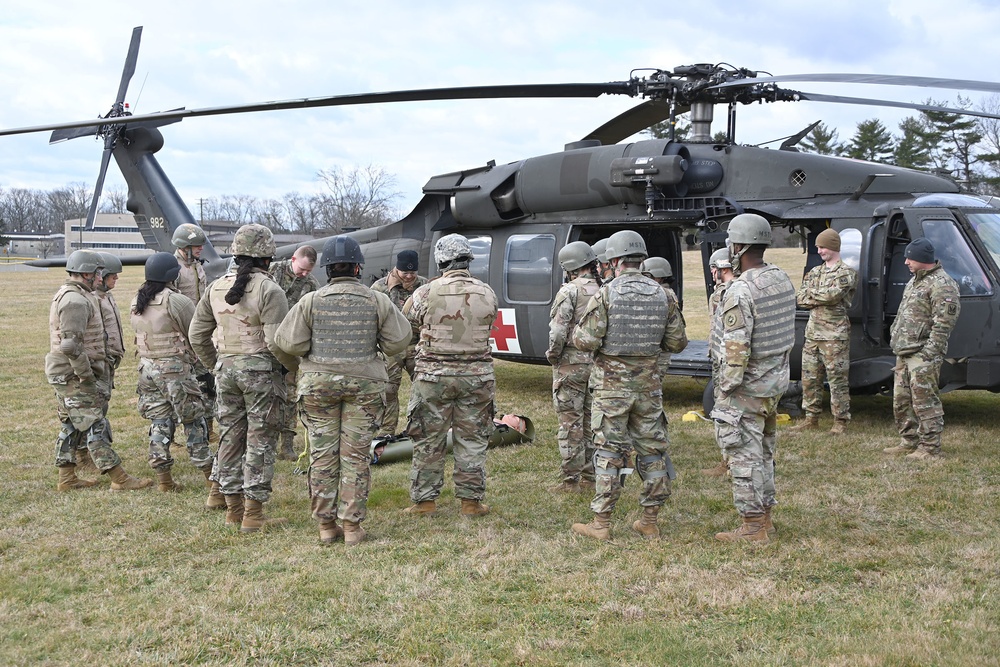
pixel 518 215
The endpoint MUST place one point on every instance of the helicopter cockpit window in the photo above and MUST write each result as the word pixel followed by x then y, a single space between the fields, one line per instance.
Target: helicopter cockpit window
pixel 850 247
pixel 528 268
pixel 480 266
pixel 987 225
pixel 956 257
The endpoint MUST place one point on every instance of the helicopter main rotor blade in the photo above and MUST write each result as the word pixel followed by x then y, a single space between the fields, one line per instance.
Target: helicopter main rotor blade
pixel 65 135
pixel 92 212
pixel 541 90
pixel 129 69
pixel 839 99
pixel 875 79
pixel 636 119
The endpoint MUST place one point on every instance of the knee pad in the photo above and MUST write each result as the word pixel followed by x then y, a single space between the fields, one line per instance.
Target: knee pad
pixel 162 431
pixel 197 431
pixel 100 431
pixel 655 466
pixel 608 462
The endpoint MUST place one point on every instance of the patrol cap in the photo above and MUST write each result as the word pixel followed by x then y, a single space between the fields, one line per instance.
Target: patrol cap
pixel 407 260
pixel 920 250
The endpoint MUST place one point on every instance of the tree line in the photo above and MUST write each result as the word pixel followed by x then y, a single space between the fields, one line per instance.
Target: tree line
pixel 349 199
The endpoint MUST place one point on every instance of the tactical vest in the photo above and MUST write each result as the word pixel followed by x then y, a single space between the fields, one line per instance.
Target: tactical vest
pixel 637 317
pixel 238 328
pixel 459 316
pixel 773 311
pixel 94 345
pixel 191 280
pixel 586 288
pixel 716 328
pixel 344 326
pixel 156 333
pixel 112 322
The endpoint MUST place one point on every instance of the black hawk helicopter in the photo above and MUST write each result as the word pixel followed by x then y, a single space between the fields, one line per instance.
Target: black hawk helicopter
pixel 518 215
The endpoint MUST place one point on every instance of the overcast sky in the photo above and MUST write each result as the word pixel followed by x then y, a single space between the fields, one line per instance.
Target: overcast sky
pixel 62 60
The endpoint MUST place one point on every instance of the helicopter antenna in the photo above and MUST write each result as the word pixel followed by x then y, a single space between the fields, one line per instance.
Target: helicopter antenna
pixel 142 87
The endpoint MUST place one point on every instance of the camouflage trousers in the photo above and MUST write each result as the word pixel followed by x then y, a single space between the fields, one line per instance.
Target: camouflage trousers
pixel 623 422
pixel 663 365
pixel 249 410
pixel 341 415
pixel 572 401
pixel 830 358
pixel 463 404
pixel 81 407
pixel 395 366
pixel 916 402
pixel 289 414
pixel 169 394
pixel 746 430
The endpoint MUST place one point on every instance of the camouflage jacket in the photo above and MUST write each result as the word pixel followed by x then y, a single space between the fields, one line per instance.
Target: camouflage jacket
pixel 293 286
pixel 927 314
pixel 392 286
pixel 827 293
pixel 715 325
pixel 191 281
pixel 569 305
pixel 76 335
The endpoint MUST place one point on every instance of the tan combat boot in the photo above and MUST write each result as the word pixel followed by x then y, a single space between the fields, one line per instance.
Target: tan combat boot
pixel 234 509
pixel 215 500
pixel 286 451
pixel 721 469
pixel 354 534
pixel 810 423
pixel 330 532
pixel 902 448
pixel 473 508
pixel 646 524
pixel 423 508
pixel 599 528
pixel 751 530
pixel 566 486
pixel 122 481
pixel 923 455
pixel 69 481
pixel 166 483
pixel 768 526
pixel 839 427
pixel 85 464
pixel 254 518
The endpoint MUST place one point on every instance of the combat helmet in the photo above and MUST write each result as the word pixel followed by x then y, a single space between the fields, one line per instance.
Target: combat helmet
pixel 188 235
pixel 162 267
pixel 112 264
pixel 749 229
pixel 576 255
pixel 253 241
pixel 451 248
pixel 626 243
pixel 84 261
pixel 341 250
pixel 600 248
pixel 657 267
pixel 720 259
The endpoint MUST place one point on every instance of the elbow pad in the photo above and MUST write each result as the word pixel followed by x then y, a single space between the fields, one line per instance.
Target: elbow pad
pixel 71 347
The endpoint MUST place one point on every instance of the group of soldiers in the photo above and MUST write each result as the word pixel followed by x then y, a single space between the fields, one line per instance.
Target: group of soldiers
pixel 265 338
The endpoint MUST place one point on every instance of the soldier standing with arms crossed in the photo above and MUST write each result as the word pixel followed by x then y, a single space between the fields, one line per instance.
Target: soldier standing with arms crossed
pixel 919 337
pixel 453 382
pixel 758 318
pixel 626 326
pixel 571 368
pixel 827 292
pixel 339 331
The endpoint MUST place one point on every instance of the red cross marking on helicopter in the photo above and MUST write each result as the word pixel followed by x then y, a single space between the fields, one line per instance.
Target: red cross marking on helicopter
pixel 504 331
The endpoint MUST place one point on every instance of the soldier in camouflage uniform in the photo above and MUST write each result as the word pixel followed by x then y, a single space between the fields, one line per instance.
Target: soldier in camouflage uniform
pixel 571 368
pixel 339 332
pixel 826 292
pixel 77 368
pixel 919 337
pixel 399 286
pixel 660 271
pixel 722 273
pixel 168 391
pixel 605 271
pixel 294 277
pixel 453 382
pixel 233 331
pixel 626 325
pixel 758 319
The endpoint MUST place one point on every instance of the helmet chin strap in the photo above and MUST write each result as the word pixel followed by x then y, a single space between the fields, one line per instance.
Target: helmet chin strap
pixel 734 258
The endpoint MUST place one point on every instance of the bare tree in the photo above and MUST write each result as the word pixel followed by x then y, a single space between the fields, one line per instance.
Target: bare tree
pixel 67 203
pixel 114 201
pixel 361 197
pixel 23 210
pixel 272 214
pixel 304 212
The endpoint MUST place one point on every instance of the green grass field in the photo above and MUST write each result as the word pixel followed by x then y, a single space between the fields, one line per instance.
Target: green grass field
pixel 878 561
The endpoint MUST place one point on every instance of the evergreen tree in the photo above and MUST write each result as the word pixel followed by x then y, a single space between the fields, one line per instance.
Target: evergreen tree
pixel 871 142
pixel 823 141
pixel 912 147
pixel 956 139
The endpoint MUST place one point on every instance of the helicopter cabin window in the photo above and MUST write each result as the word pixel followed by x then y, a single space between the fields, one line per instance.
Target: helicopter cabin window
pixel 850 247
pixel 528 268
pixel 479 267
pixel 956 257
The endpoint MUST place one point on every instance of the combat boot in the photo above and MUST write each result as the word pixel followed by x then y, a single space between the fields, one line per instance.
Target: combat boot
pixel 215 500
pixel 923 455
pixel 234 509
pixel 286 452
pixel 254 518
pixel 810 423
pixel 166 483
pixel 719 470
pixel 330 532
pixel 473 508
pixel 122 481
pixel 69 481
pixel 599 528
pixel 354 534
pixel 85 464
pixel 588 486
pixel 423 508
pixel 839 427
pixel 646 524
pixel 768 526
pixel 902 448
pixel 751 530
pixel 566 486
